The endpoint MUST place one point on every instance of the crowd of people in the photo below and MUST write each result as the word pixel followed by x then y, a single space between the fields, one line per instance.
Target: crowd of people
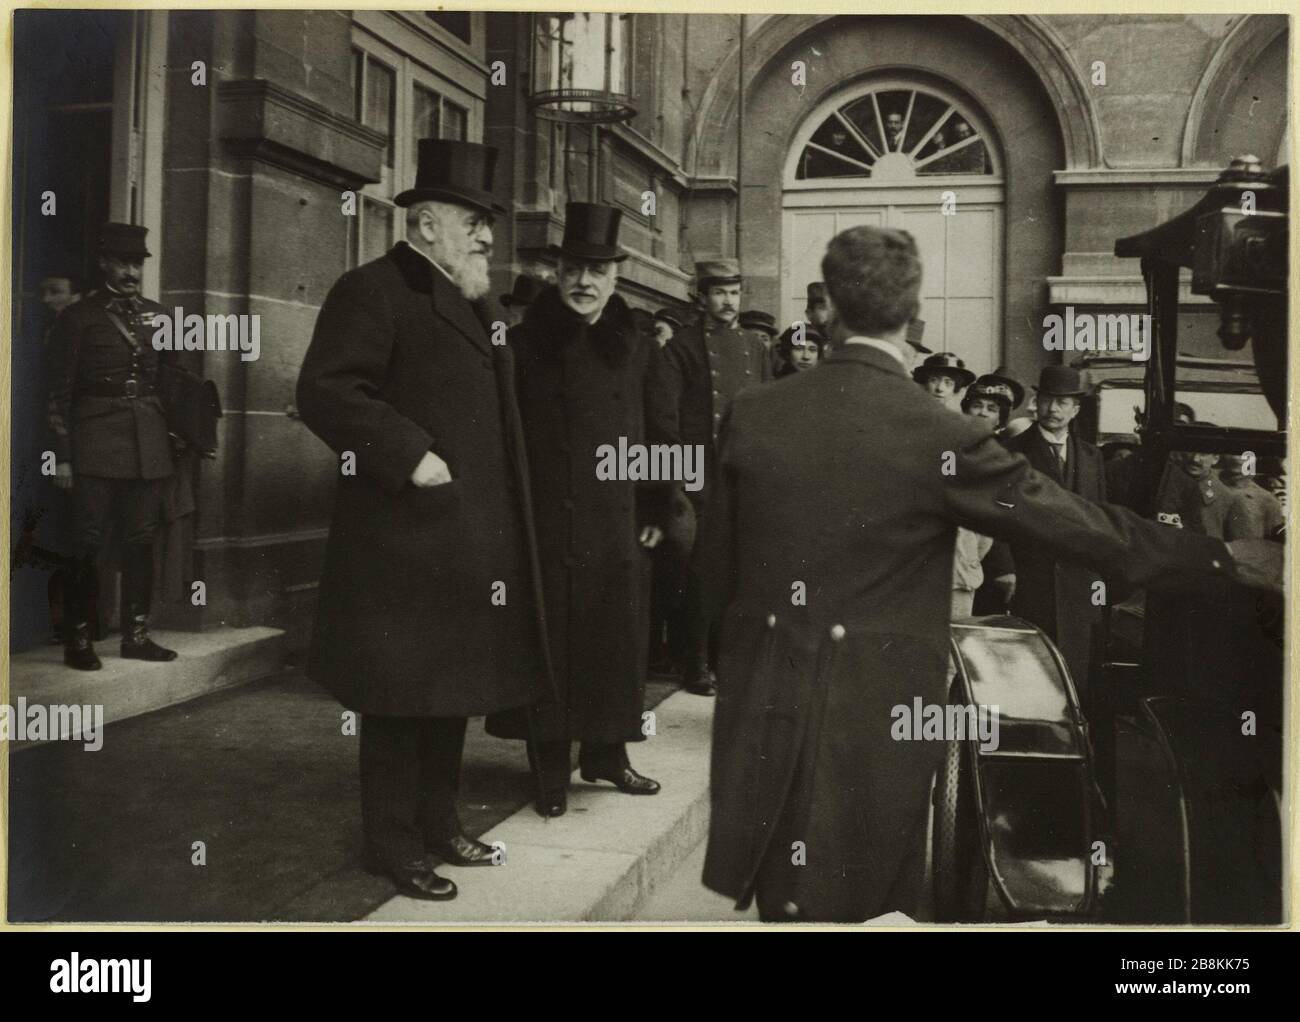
pixel 478 565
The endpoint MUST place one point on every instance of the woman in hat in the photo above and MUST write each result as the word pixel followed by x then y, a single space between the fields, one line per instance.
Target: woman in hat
pixel 983 573
pixel 799 348
pixel 992 397
pixel 943 375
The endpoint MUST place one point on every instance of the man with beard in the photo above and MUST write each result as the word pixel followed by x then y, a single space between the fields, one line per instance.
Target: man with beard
pixel 427 613
pixel 588 378
pixel 111 444
pixel 709 362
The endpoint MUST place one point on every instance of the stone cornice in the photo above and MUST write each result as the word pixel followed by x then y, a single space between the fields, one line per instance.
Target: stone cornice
pixel 263 121
pixel 1131 177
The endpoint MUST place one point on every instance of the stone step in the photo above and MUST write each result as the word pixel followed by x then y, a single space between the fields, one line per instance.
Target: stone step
pixel 605 858
pixel 208 661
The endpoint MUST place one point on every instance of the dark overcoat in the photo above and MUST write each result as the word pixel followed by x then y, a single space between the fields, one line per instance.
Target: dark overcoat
pixel 581 387
pixel 707 366
pixel 1057 595
pixel 426 604
pixel 113 437
pixel 802 745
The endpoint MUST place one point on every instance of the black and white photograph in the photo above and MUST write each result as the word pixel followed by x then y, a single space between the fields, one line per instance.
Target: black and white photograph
pixel 668 470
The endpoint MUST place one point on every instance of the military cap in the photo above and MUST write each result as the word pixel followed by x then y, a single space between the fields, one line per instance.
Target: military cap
pixel 755 320
pixel 712 272
pixel 126 240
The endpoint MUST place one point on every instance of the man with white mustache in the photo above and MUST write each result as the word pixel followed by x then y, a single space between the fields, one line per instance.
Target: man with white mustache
pixel 427 612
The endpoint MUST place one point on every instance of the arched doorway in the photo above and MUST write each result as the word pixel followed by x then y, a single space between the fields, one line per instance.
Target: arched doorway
pixel 905 152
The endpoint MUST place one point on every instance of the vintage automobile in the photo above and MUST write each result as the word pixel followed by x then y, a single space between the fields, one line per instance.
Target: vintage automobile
pixel 1161 800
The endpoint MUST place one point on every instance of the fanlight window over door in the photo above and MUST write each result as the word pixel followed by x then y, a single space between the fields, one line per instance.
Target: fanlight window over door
pixel 896 134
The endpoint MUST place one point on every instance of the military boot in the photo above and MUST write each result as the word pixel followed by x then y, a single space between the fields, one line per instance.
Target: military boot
pixel 137 598
pixel 78 649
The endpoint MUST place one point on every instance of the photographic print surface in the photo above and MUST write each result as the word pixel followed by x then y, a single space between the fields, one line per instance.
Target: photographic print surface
pixel 733 468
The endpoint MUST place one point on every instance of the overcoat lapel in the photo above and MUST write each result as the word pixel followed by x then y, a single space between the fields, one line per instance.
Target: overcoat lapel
pixel 447 303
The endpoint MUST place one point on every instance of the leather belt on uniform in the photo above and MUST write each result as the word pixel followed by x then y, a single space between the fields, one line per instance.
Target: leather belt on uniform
pixel 126 388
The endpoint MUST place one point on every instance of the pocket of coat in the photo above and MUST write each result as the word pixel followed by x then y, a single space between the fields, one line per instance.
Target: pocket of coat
pixel 429 499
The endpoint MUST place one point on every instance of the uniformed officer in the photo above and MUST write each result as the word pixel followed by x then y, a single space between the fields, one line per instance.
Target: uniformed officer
pixel 708 362
pixel 111 444
pixel 1260 514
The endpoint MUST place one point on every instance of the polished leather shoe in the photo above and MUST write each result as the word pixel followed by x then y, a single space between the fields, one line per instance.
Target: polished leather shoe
pixel 702 684
pixel 414 879
pixel 147 650
pixel 463 851
pixel 552 803
pixel 625 780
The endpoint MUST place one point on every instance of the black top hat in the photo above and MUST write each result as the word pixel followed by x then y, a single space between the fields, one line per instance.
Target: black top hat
pixel 755 320
pixel 124 240
pixel 915 331
pixel 944 362
pixel 816 292
pixel 1061 381
pixel 670 316
pixel 453 171
pixel 525 289
pixel 591 233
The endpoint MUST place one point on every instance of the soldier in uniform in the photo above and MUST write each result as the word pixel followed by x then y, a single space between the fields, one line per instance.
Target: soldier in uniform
pixel 708 362
pixel 1260 514
pixel 111 444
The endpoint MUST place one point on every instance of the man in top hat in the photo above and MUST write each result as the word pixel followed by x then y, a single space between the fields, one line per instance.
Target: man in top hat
pixel 521 296
pixel 709 361
pixel 426 613
pixel 943 375
pixel 817 310
pixel 1061 597
pixel 817 812
pixel 588 378
pixel 111 444
pixel 666 323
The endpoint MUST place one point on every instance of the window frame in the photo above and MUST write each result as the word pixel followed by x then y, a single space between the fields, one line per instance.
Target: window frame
pixel 872 87
pixel 409 70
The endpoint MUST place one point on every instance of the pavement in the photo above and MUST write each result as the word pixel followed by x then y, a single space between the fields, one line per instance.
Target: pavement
pixel 241 805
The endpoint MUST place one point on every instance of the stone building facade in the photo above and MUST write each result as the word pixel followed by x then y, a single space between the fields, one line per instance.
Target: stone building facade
pixel 1076 130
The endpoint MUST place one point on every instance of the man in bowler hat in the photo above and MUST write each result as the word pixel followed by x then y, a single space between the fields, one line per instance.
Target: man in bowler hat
pixel 587 377
pixel 521 296
pixel 111 444
pixel 427 612
pixel 710 361
pixel 1060 596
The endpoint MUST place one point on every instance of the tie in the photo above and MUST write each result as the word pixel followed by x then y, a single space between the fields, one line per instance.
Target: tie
pixel 1059 451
